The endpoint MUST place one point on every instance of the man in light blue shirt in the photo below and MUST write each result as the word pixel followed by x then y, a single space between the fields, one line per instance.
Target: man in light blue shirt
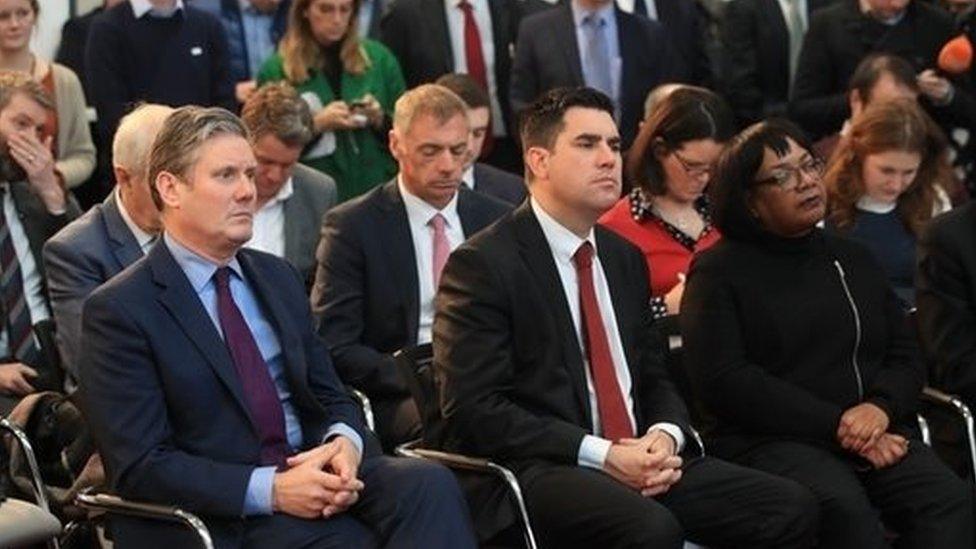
pixel 206 386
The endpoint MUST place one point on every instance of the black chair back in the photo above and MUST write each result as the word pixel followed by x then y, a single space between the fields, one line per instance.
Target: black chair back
pixel 416 365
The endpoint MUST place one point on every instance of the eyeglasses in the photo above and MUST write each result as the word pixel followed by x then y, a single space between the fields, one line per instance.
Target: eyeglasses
pixel 788 177
pixel 693 169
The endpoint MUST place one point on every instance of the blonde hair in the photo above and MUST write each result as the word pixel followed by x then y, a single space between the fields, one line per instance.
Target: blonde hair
pixel 430 99
pixel 301 53
pixel 135 135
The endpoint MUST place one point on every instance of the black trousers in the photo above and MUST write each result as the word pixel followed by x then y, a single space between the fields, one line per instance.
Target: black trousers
pixel 918 498
pixel 716 503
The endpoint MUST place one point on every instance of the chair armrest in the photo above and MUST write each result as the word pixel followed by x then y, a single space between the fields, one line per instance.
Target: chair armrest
pixel 115 505
pixel 936 396
pixel 366 405
pixel 40 493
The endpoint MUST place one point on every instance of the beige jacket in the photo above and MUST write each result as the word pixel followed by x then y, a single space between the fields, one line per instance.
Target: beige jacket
pixel 76 152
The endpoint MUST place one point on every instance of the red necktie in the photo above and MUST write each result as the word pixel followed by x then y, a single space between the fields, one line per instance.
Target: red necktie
pixel 613 411
pixel 475 59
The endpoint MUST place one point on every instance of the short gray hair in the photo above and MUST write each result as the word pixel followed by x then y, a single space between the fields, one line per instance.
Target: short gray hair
pixel 430 99
pixel 133 139
pixel 277 109
pixel 177 146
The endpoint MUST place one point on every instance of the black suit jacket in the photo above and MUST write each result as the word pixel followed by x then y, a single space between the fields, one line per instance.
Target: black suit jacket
pixel 416 32
pixel 547 56
pixel 499 184
pixel 507 354
pixel 838 38
pixel 756 48
pixel 684 21
pixel 946 300
pixel 366 292
pixel 164 400
pixel 74 40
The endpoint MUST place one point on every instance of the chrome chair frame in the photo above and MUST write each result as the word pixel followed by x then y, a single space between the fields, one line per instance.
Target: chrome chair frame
pixel 109 504
pixel 37 482
pixel 955 404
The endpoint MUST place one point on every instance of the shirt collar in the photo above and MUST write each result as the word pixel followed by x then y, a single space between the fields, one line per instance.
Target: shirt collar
pixel 868 204
pixel 605 13
pixel 142 7
pixel 562 241
pixel 142 237
pixel 468 177
pixel 198 269
pixel 419 211
pixel 284 193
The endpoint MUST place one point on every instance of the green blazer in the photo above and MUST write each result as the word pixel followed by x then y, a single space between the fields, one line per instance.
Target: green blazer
pixel 361 159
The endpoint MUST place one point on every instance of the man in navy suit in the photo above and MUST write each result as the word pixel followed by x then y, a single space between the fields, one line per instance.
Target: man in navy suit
pixel 109 237
pixel 478 176
pixel 378 257
pixel 595 43
pixel 206 387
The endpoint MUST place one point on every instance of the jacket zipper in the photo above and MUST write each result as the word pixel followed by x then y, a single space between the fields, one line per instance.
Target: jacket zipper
pixel 857 330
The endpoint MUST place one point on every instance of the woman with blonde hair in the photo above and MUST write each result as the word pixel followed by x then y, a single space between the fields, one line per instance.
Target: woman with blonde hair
pixel 70 148
pixel 885 181
pixel 350 84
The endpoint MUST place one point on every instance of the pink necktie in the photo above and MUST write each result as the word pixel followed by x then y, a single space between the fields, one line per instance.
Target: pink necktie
pixel 442 248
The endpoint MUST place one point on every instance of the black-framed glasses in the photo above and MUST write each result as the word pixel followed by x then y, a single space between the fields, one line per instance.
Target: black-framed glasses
pixel 693 169
pixel 788 177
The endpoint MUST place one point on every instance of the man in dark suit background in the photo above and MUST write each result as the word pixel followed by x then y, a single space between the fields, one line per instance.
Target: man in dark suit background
pixel 546 362
pixel 450 44
pixel 479 176
pixel 761 42
pixel 201 377
pixel 380 255
pixel 594 43
pixel 33 207
pixel 685 22
pixel 109 237
pixel 292 198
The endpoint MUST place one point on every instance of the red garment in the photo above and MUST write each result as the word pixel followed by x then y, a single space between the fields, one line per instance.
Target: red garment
pixel 51 124
pixel 665 256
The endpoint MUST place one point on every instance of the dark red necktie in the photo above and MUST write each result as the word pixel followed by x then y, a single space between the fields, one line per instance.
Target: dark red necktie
pixel 613 411
pixel 475 59
pixel 259 389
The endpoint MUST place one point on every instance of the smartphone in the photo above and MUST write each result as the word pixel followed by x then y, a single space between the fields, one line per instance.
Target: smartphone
pixel 358 105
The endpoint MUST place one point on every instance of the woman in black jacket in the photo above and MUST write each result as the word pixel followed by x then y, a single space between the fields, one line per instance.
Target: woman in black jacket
pixel 802 359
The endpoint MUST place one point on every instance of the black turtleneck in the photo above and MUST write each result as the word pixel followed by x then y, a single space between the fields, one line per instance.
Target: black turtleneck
pixel 332 68
pixel 770 335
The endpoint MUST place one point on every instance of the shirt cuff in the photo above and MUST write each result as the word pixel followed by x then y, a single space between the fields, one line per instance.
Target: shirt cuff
pixel 337 429
pixel 257 498
pixel 676 433
pixel 593 452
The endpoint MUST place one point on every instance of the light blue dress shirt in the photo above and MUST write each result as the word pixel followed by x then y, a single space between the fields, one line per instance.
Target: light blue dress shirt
pixel 257 36
pixel 366 10
pixel 199 271
pixel 609 28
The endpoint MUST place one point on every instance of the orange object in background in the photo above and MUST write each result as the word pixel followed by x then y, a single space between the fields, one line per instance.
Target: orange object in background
pixel 957 55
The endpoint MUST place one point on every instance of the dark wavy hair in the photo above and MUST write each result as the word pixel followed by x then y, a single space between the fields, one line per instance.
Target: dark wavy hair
pixel 899 125
pixel 687 113
pixel 736 170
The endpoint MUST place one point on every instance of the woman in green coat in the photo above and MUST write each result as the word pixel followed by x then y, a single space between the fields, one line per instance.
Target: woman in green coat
pixel 350 84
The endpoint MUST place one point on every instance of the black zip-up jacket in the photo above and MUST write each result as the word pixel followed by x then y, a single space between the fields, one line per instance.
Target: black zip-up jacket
pixel 781 336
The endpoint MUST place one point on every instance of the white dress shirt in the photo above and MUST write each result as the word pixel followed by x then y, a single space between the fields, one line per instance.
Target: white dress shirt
pixel 419 214
pixel 142 7
pixel 455 27
pixel 33 285
pixel 269 223
pixel 143 239
pixel 467 177
pixel 627 6
pixel 563 244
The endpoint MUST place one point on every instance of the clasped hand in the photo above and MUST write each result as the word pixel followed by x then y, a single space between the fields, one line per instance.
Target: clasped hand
pixel 320 482
pixel 863 430
pixel 646 464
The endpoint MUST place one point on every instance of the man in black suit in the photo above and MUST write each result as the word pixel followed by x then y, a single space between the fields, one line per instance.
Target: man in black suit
pixel 843 34
pixel 546 363
pixel 479 176
pixel 593 43
pixel 380 255
pixel 448 47
pixel 205 385
pixel 110 236
pixel 33 207
pixel 685 22
pixel 759 38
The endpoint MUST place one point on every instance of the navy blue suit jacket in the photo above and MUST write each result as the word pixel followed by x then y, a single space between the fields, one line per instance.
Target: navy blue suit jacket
pixel 163 398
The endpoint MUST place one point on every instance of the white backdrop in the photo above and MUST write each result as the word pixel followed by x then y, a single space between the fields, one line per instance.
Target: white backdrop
pixel 53 15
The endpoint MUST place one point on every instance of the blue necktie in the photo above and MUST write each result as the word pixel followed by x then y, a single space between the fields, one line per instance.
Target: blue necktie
pixel 597 54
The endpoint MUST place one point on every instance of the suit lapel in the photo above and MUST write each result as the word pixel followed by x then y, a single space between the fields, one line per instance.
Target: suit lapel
pixel 125 247
pixel 435 14
pixel 403 259
pixel 293 229
pixel 566 41
pixel 471 222
pixel 628 34
pixel 535 250
pixel 179 298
